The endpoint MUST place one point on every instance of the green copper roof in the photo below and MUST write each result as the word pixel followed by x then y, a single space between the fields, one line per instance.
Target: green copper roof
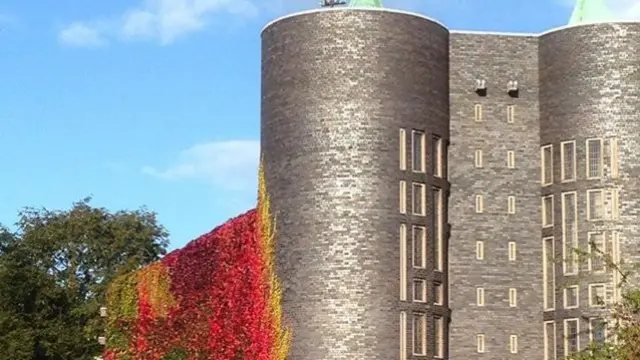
pixel 365 3
pixel 588 11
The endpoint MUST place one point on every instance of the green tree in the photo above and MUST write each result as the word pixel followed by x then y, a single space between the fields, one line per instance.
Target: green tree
pixel 54 271
pixel 624 323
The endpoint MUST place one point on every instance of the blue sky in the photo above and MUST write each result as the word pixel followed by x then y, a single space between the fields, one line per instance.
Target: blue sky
pixel 157 102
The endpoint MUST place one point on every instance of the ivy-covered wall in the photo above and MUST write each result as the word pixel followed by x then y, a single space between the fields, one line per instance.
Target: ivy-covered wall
pixel 216 298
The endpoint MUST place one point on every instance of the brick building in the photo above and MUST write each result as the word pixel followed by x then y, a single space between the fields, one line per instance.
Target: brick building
pixel 429 185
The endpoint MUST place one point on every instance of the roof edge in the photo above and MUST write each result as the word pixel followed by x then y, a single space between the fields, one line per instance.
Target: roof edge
pixel 356 8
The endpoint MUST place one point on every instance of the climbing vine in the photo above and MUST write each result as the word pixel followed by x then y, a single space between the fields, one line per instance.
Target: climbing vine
pixel 216 298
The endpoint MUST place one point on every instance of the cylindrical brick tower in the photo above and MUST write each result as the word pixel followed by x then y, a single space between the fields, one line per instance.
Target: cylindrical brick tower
pixel 589 126
pixel 337 88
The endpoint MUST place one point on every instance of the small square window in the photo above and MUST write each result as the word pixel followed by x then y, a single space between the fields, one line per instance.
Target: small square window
pixel 480 343
pixel 571 295
pixel 419 247
pixel 595 204
pixel 547 211
pixel 479 204
pixel 419 195
pixel 511 159
pixel 568 159
pixel 547 165
pixel 480 250
pixel 511 114
pixel 513 344
pixel 419 334
pixel 511 204
pixel 419 290
pixel 418 141
pixel 615 203
pixel 477 112
pixel 598 330
pixel 403 149
pixel 613 145
pixel 597 295
pixel 571 337
pixel 512 251
pixel 594 158
pixel 438 293
pixel 513 297
pixel 439 334
pixel 403 197
pixel 478 161
pixel 480 296
pixel 436 156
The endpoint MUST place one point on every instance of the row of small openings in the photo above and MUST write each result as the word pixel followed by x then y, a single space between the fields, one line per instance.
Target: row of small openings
pixel 512 88
pixel 478 114
pixel 598 329
pixel 512 252
pixel 513 297
pixel 419 331
pixel 602 204
pixel 594 158
pixel 511 204
pixel 478 159
pixel 481 347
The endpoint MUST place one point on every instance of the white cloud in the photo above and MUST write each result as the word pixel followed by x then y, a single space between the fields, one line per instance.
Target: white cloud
pixel 231 165
pixel 79 34
pixel 164 21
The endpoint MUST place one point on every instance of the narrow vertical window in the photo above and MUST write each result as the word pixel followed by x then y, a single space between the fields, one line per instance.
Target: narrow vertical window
pixel 480 250
pixel 477 112
pixel 511 159
pixel 549 340
pixel 569 233
pixel 480 296
pixel 597 295
pixel 615 204
pixel 419 290
pixel 438 293
pixel 597 330
pixel 513 297
pixel 419 195
pixel 436 156
pixel 511 204
pixel 439 336
pixel 403 335
pixel 437 219
pixel 480 343
pixel 548 273
pixel 403 197
pixel 571 337
pixel 511 114
pixel 479 204
pixel 546 154
pixel 571 297
pixel 513 344
pixel 595 204
pixel 419 247
pixel 613 145
pixel 403 262
pixel 419 334
pixel 418 144
pixel 568 161
pixel 594 158
pixel 597 252
pixel 512 251
pixel 547 211
pixel 478 162
pixel 403 149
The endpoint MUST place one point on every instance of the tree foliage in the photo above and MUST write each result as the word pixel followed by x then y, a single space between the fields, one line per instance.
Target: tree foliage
pixel 624 323
pixel 54 271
